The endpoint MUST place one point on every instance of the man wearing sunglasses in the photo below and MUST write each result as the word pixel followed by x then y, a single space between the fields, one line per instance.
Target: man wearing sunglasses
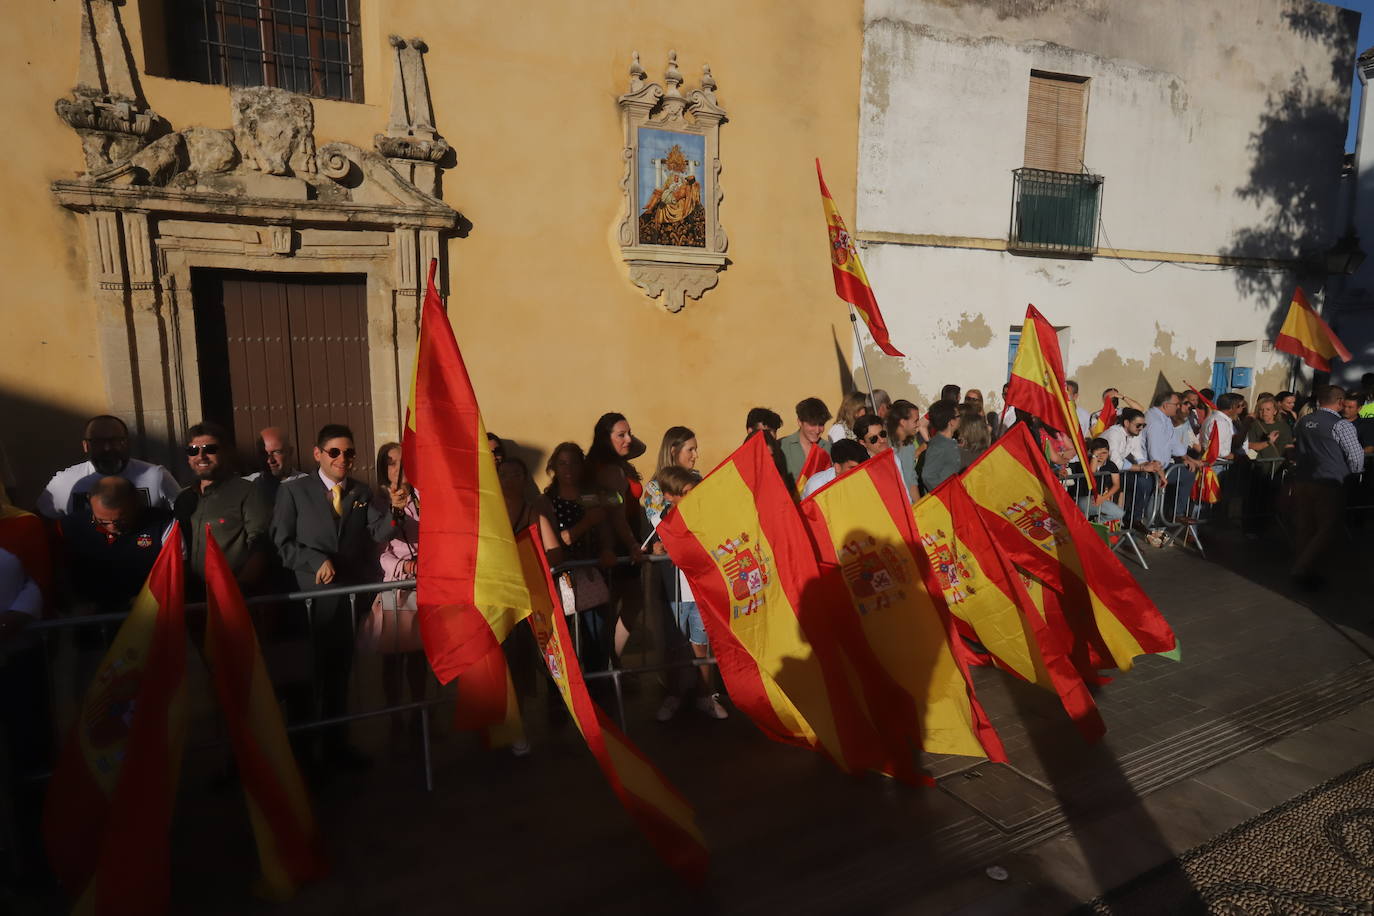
pixel 234 508
pixel 327 529
pixel 106 444
pixel 871 432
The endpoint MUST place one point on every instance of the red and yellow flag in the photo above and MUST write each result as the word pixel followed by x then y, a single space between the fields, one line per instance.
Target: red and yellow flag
pixel 1308 337
pixel 486 702
pixel 1093 604
pixel 1037 382
pixel 898 640
pixel 1206 484
pixel 289 848
pixel 1206 401
pixel 109 805
pixel 1106 418
pixel 660 811
pixel 851 283
pixel 990 602
pixel 470 590
pixel 817 460
pixel 741 542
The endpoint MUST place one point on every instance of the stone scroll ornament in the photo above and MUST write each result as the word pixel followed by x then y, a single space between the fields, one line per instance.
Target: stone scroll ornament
pixel 669 232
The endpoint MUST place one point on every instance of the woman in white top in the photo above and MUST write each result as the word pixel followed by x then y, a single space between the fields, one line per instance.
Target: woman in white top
pixel 854 405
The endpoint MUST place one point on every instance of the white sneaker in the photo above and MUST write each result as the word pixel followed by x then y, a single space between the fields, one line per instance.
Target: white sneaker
pixel 520 748
pixel 670 706
pixel 711 708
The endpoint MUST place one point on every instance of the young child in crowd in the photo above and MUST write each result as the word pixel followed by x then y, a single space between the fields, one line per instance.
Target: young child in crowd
pixel 675 482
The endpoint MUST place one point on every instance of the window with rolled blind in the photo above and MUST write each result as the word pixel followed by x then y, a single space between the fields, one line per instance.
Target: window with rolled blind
pixel 1056 122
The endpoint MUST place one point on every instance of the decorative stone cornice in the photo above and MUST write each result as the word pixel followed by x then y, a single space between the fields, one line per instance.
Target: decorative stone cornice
pixel 84 197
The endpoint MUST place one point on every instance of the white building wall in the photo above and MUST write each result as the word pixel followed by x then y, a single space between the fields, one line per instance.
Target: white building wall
pixel 1217 126
pixel 1354 303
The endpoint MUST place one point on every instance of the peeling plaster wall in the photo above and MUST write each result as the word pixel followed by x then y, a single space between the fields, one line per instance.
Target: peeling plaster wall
pixel 1136 336
pixel 1218 127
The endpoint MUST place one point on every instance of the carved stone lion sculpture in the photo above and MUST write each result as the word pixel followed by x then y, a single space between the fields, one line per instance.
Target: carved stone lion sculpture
pixel 274 130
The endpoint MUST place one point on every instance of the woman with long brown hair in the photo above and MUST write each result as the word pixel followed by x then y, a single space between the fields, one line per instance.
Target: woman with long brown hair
pixel 571 530
pixel 391 628
pixel 609 475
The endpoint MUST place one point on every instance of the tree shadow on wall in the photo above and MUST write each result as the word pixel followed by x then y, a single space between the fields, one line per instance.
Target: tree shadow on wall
pixel 1294 178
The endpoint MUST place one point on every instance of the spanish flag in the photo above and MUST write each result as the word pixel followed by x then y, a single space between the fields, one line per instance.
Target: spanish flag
pixel 660 811
pixel 1037 382
pixel 851 283
pixel 1106 418
pixel 991 602
pixel 109 804
pixel 470 589
pixel 486 702
pixel 289 847
pixel 1206 485
pixel 897 635
pixel 1308 337
pixel 817 460
pixel 742 544
pixel 1092 603
pixel 1207 402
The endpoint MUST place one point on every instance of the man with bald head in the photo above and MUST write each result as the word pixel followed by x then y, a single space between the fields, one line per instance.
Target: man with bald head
pixel 106 444
pixel 276 462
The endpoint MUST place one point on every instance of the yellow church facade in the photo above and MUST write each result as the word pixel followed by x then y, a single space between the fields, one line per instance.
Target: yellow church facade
pixel 228 215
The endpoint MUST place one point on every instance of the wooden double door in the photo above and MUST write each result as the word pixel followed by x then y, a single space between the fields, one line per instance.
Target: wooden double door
pixel 287 350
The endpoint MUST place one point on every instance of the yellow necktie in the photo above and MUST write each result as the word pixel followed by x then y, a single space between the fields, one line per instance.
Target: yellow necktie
pixel 336 498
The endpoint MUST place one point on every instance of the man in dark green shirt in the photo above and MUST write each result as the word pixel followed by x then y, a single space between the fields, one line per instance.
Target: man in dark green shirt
pixel 812 415
pixel 942 458
pixel 233 508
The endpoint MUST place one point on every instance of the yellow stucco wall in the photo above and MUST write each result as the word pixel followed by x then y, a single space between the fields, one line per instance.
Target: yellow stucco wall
pixel 553 330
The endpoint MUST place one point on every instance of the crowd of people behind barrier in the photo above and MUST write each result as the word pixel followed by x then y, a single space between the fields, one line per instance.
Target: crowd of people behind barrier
pixel 310 525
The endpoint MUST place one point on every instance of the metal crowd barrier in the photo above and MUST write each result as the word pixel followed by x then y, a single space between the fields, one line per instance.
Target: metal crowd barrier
pixel 46 631
pixel 1145 504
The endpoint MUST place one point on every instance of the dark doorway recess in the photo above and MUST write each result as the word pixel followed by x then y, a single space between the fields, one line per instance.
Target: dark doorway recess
pixel 286 350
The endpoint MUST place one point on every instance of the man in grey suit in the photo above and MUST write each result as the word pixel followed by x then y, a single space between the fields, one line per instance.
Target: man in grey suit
pixel 326 528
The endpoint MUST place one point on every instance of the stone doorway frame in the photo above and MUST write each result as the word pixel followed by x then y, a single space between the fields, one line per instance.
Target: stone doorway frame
pixel 143 244
pixel 157 203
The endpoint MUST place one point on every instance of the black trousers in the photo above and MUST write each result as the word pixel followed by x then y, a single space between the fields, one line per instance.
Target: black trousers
pixel 1317 509
pixel 332 636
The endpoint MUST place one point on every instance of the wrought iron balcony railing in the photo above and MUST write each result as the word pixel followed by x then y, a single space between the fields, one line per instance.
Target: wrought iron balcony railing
pixel 1055 212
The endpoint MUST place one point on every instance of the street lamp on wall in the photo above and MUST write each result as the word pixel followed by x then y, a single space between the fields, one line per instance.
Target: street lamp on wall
pixel 1346 256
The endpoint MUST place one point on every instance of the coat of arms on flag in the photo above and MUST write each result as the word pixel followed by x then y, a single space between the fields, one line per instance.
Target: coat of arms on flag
pixel 874 572
pixel 747 569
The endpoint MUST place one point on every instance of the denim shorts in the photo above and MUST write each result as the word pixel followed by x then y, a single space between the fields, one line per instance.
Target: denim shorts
pixel 688 618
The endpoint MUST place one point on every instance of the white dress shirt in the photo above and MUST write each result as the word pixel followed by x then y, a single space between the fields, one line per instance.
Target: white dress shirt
pixel 1220 426
pixel 1126 449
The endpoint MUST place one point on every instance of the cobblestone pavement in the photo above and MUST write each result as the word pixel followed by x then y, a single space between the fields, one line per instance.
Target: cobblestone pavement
pixel 1271 697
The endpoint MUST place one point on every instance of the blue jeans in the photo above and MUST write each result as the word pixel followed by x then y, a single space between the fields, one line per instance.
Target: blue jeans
pixel 688 617
pixel 1139 487
pixel 1106 511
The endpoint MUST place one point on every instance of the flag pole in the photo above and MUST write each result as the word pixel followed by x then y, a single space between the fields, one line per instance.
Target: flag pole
pixel 858 339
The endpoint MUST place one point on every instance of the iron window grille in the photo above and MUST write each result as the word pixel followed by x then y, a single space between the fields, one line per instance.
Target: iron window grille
pixel 1055 212
pixel 307 46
